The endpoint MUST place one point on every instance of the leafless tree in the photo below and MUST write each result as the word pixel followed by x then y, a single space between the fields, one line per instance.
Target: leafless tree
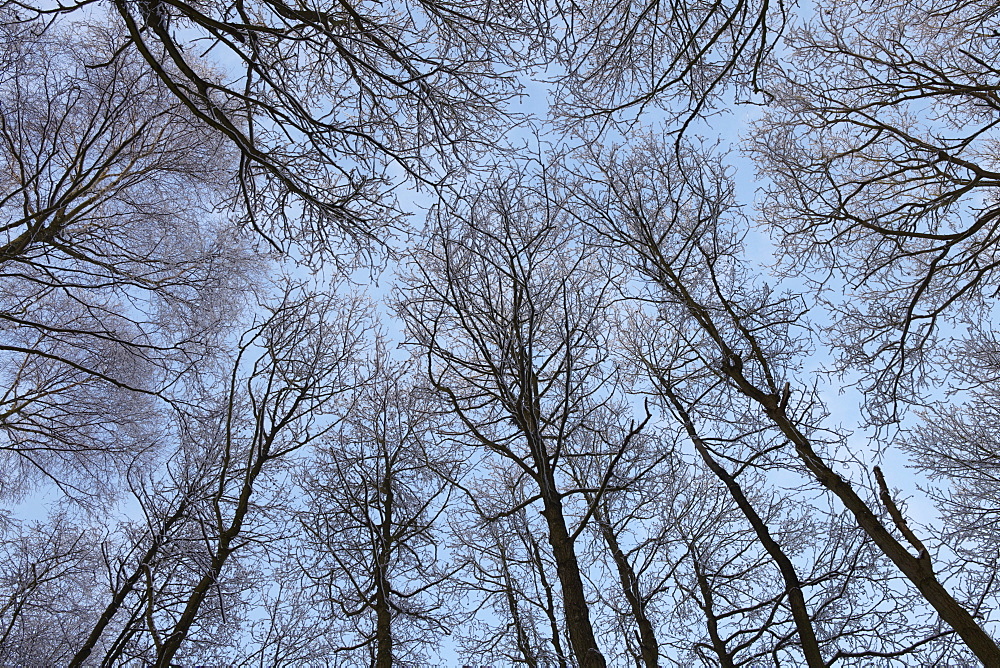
pixel 670 219
pixel 608 447
pixel 631 535
pixel 880 155
pixel 953 445
pixel 183 576
pixel 510 578
pixel 509 309
pixel 371 553
pixel 323 104
pixel 727 609
pixel 625 57
pixel 117 270
pixel 881 148
pixel 48 575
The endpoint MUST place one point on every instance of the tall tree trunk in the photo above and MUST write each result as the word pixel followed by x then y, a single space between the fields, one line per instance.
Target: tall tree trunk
pixel 793 586
pixel 917 569
pixel 165 653
pixel 581 631
pixel 649 650
pixel 383 613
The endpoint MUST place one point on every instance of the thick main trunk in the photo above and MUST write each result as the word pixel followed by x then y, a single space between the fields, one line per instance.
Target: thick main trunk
pixel 916 569
pixel 383 613
pixel 581 631
pixel 383 630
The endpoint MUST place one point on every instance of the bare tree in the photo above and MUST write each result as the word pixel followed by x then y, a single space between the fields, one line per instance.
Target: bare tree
pixel 605 446
pixel 371 552
pixel 953 445
pixel 880 155
pixel 727 606
pixel 118 272
pixel 881 148
pixel 510 579
pixel 183 576
pixel 668 218
pixel 625 57
pixel 509 309
pixel 789 574
pixel 630 537
pixel 48 575
pixel 323 104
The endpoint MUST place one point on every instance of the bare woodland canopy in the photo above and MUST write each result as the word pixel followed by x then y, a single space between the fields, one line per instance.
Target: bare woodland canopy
pixel 589 404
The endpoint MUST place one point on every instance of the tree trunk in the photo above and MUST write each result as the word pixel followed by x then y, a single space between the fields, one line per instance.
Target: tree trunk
pixel 119 598
pixel 917 569
pixel 711 621
pixel 581 632
pixel 793 586
pixel 383 614
pixel 649 648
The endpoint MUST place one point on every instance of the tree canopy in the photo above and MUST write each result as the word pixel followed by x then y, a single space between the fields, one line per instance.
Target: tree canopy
pixel 522 333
